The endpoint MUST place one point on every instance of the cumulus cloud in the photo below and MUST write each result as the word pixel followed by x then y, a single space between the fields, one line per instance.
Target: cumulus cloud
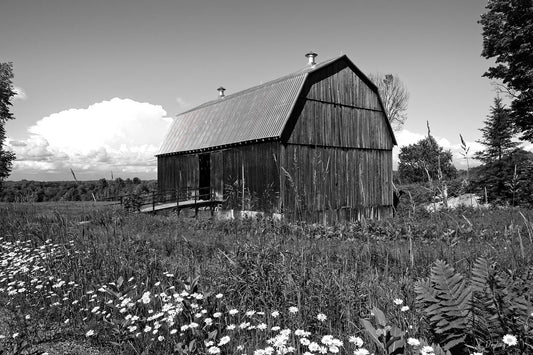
pixel 118 135
pixel 20 94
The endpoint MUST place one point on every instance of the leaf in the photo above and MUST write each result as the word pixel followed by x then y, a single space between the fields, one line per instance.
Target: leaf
pixel 371 331
pixel 120 281
pixel 380 316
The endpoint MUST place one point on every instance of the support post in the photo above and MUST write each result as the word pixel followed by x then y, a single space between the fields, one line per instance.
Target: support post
pixel 196 204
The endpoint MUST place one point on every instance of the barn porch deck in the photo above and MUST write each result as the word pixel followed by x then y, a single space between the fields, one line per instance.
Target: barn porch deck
pixel 177 199
pixel 152 208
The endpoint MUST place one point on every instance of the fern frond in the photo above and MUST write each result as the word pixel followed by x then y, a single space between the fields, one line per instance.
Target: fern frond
pixel 446 298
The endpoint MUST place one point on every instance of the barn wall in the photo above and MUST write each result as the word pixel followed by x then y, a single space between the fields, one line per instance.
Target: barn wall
pixel 326 184
pixel 341 110
pixel 177 171
pixel 261 174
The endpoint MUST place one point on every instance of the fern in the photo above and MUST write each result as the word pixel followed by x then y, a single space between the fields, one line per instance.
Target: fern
pixel 484 308
pixel 446 298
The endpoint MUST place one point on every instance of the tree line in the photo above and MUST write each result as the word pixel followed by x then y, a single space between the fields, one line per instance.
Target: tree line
pixel 97 190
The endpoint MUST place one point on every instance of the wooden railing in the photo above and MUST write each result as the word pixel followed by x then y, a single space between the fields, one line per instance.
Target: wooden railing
pixel 187 197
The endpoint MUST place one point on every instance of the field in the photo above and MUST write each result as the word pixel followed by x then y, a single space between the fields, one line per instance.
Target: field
pixel 93 279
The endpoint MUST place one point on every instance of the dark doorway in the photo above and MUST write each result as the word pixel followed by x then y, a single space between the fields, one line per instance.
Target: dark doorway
pixel 204 162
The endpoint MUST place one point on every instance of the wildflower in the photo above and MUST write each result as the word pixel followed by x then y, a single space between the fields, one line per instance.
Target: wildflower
pixel 89 333
pixel 230 327
pixel 275 328
pixel 233 312
pixel 250 313
pixel 213 350
pixel 147 329
pixel 184 327
pixel 361 351
pixel 15 335
pixel 244 325
pixel 404 308
pixel 275 314
pixel 293 309
pixel 173 331
pixel 299 332
pixel 427 350
pixel 327 339
pixel 356 341
pixel 217 314
pixel 413 342
pixel 333 349
pixel 160 338
pixel 146 297
pixel 193 325
pixel 224 340
pixel 261 326
pixel 321 317
pixel 157 283
pixel 398 301
pixel 337 342
pixel 305 341
pixel 208 321
pixel 477 354
pixel 510 340
pixel 219 295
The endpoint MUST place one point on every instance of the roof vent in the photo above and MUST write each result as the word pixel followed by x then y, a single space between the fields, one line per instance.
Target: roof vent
pixel 221 92
pixel 311 57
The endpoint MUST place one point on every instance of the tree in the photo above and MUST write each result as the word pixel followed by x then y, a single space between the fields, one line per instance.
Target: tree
pixel 394 95
pixel 7 93
pixel 421 161
pixel 497 134
pixel 508 37
pixel 506 181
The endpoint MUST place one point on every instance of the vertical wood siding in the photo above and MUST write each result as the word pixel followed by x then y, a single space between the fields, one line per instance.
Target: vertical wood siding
pixel 261 174
pixel 337 161
pixel 331 184
pixel 341 111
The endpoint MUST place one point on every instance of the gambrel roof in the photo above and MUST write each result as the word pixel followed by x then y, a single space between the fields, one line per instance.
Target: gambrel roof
pixel 259 113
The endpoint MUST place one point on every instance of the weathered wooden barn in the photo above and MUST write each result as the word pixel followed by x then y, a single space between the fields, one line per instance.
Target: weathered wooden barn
pixel 314 145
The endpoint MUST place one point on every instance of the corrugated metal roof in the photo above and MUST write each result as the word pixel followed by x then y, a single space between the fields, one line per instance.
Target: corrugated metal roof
pixel 260 112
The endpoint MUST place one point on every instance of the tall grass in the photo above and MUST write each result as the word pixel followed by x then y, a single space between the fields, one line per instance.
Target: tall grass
pixel 261 265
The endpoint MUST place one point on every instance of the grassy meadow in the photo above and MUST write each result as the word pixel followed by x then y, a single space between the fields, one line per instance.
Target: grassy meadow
pixel 114 282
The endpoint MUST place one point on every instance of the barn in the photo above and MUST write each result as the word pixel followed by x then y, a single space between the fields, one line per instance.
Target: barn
pixel 314 145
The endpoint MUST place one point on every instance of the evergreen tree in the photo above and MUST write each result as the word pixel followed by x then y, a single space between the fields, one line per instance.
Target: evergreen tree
pixel 497 134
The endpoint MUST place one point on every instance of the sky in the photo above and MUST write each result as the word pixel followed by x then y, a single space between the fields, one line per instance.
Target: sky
pixel 100 81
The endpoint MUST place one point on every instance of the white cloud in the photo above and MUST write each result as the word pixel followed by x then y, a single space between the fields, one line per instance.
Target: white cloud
pixel 20 94
pixel 118 135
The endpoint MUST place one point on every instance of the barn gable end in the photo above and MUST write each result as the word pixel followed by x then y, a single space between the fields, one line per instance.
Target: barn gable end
pixel 340 109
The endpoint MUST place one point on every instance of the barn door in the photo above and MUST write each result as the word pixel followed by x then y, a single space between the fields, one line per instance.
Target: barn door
pixel 204 164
